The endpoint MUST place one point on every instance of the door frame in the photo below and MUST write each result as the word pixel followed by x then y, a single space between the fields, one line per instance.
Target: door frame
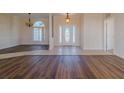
pixel 63 42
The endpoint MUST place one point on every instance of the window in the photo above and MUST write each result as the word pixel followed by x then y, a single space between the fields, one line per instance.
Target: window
pixel 60 34
pixel 74 33
pixel 38 31
pixel 67 35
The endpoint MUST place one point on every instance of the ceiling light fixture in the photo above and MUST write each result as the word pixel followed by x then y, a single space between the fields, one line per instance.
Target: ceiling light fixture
pixel 29 23
pixel 67 19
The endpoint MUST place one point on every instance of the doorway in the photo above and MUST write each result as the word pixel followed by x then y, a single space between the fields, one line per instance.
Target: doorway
pixel 67 35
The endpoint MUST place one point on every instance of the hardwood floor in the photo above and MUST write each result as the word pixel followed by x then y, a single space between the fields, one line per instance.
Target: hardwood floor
pixel 22 48
pixel 62 67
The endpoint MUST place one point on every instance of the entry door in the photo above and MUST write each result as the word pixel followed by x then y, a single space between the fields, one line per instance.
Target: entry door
pixel 67 35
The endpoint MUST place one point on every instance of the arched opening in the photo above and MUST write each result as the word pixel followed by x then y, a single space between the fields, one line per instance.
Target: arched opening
pixel 38 31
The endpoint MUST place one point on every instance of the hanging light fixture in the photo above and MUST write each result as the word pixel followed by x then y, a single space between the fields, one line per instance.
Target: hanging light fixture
pixel 29 23
pixel 67 19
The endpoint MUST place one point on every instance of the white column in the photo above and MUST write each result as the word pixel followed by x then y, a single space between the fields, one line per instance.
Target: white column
pixel 82 32
pixel 51 40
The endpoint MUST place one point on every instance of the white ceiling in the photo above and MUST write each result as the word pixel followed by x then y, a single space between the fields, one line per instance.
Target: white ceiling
pixel 34 15
pixel 37 15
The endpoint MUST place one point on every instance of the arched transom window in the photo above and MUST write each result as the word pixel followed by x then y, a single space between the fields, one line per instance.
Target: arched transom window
pixel 38 31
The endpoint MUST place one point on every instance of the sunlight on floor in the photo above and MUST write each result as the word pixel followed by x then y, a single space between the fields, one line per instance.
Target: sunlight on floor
pixel 57 51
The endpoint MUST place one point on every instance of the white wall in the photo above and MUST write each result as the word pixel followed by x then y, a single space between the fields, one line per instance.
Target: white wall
pixel 90 27
pixel 26 33
pixel 93 31
pixel 15 30
pixel 119 34
pixel 9 31
pixel 59 20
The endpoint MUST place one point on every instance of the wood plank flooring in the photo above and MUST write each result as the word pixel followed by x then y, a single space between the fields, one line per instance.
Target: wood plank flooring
pixel 62 67
pixel 23 48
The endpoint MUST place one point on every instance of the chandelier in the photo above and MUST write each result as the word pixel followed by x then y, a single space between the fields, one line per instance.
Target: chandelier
pixel 29 23
pixel 67 19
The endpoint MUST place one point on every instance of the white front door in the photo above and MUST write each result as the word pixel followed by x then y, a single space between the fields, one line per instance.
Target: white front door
pixel 68 35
